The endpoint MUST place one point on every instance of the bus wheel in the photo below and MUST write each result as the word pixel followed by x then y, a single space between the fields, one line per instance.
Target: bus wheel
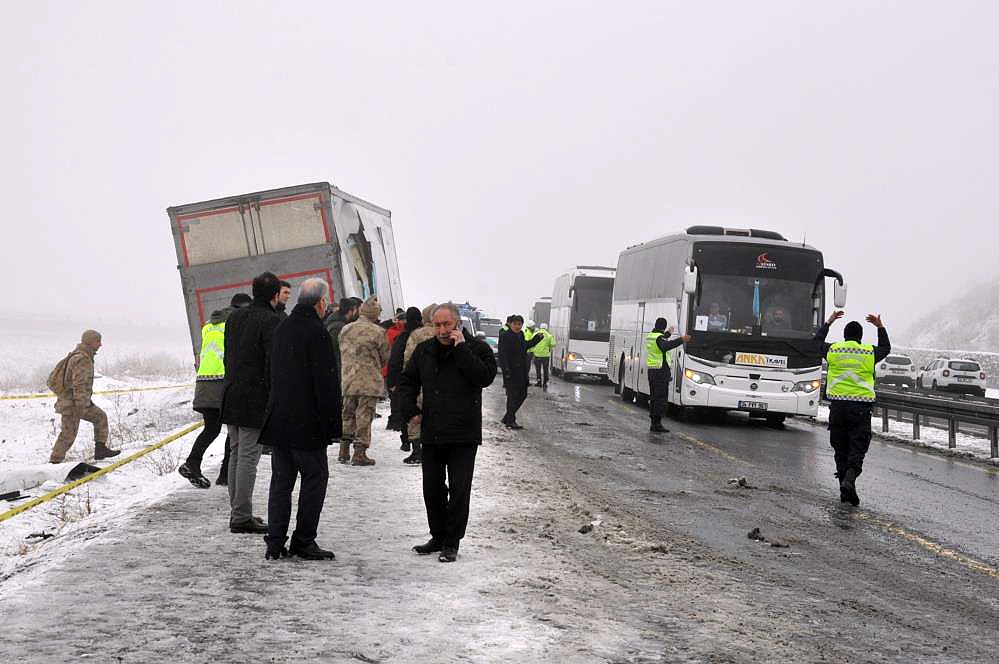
pixel 627 394
pixel 642 400
pixel 620 379
pixel 776 421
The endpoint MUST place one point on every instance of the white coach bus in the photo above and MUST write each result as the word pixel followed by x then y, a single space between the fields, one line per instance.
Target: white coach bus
pixel 580 321
pixel 752 302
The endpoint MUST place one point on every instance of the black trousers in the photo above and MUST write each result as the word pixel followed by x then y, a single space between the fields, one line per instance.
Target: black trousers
pixel 658 390
pixel 447 504
pixel 539 364
pixel 211 431
pixel 286 465
pixel 516 393
pixel 849 434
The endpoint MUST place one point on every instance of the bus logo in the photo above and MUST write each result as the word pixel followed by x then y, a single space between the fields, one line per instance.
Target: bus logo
pixel 763 262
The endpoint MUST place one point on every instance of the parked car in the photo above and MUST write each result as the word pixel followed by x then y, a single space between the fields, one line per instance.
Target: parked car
pixel 896 370
pixel 953 374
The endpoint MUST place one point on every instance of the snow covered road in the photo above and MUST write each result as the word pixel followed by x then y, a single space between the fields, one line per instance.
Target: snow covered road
pixel 663 571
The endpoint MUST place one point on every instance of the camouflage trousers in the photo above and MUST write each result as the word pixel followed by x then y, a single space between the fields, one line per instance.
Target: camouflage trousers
pixel 358 412
pixel 71 426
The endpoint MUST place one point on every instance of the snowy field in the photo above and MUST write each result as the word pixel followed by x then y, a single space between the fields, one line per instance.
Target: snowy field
pixel 132 357
pixel 135 420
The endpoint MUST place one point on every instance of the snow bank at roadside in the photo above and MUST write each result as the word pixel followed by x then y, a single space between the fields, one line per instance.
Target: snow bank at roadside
pixel 973 446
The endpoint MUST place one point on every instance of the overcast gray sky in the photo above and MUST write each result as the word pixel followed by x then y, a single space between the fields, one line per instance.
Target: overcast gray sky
pixel 509 142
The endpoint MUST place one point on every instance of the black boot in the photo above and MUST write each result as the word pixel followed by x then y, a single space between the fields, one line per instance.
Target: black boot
pixel 192 471
pixel 416 458
pixel 404 437
pixel 848 488
pixel 657 426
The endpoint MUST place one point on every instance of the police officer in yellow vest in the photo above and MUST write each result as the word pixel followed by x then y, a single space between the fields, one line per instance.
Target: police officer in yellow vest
pixel 850 390
pixel 208 394
pixel 659 361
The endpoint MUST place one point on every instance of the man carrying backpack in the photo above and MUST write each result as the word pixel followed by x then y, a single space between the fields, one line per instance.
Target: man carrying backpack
pixel 72 381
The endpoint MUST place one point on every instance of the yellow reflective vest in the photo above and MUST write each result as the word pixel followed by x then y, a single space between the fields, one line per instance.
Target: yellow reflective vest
pixel 654 356
pixel 850 375
pixel 212 351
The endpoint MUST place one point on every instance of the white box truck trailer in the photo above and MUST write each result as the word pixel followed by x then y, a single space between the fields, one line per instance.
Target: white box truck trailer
pixel 309 230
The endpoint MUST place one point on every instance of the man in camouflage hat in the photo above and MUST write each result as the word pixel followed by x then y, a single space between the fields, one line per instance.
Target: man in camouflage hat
pixel 73 384
pixel 364 351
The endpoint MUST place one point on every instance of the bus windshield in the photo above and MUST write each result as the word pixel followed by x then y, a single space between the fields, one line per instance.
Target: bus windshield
pixel 757 290
pixel 591 309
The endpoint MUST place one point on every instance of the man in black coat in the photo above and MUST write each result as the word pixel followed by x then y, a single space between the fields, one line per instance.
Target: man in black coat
pixel 516 369
pixel 302 419
pixel 451 369
pixel 249 333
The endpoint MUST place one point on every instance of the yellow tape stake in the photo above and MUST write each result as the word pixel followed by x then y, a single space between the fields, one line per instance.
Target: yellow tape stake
pixel 34 502
pixel 49 395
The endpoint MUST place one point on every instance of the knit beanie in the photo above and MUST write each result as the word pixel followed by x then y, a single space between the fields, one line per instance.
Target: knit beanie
pixel 372 308
pixel 853 331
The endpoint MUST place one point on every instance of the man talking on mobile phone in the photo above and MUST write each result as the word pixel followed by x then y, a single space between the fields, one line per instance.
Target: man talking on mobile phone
pixel 451 369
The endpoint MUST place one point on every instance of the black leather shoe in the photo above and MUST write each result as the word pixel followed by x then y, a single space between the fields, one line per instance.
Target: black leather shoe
pixel 248 526
pixel 514 426
pixel 448 555
pixel 311 551
pixel 432 546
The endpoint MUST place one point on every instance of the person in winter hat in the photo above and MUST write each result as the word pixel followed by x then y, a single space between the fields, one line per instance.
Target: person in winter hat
pixel 208 394
pixel 74 387
pixel 411 320
pixel 417 337
pixel 363 351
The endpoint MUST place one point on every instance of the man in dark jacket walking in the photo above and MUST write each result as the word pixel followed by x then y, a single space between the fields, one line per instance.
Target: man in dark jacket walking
pixel 249 334
pixel 850 388
pixel 516 369
pixel 451 369
pixel 303 418
pixel 208 394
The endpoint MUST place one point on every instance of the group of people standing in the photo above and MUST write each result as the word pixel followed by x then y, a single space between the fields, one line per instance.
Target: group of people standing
pixel 291 384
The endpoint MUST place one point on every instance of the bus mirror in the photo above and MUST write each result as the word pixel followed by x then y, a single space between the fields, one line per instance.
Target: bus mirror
pixel 839 294
pixel 690 280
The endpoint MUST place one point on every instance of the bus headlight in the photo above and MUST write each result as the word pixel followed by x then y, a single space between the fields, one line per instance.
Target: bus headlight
pixel 575 357
pixel 698 377
pixel 807 386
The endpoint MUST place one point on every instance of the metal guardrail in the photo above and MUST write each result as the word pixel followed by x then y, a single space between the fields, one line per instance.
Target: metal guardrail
pixel 981 412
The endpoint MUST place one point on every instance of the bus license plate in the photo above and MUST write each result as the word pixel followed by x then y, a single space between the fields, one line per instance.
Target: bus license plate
pixel 964 379
pixel 602 369
pixel 753 405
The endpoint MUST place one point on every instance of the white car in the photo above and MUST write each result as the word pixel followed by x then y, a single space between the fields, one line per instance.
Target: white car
pixel 896 370
pixel 954 374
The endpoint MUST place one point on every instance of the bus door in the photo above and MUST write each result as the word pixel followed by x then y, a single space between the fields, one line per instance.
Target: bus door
pixel 639 349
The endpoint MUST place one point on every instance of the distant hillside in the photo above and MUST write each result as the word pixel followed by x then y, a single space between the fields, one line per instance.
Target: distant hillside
pixel 968 323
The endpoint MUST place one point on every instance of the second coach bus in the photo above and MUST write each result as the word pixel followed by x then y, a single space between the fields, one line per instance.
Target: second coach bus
pixel 580 321
pixel 752 302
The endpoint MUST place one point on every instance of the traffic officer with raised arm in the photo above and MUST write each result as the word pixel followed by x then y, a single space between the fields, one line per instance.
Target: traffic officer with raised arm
pixel 851 394
pixel 659 361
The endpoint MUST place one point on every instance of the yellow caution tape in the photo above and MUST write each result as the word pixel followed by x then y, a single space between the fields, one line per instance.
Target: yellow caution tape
pixel 34 502
pixel 49 395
